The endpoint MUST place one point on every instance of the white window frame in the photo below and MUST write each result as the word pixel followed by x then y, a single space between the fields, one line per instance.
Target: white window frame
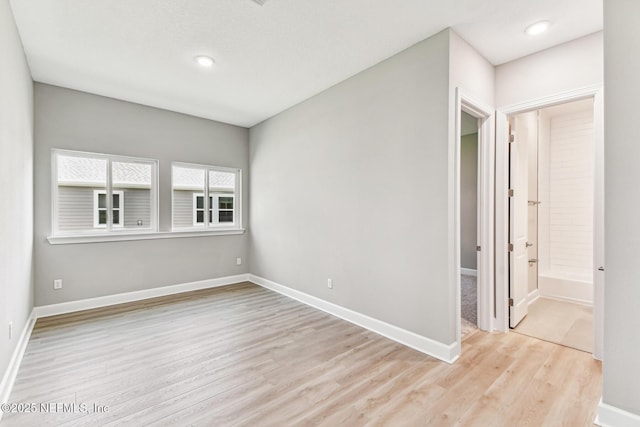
pixel 109 228
pixel 215 224
pixel 96 208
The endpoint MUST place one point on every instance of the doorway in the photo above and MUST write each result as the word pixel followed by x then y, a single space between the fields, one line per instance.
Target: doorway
pixel 478 243
pixel 468 223
pixel 552 184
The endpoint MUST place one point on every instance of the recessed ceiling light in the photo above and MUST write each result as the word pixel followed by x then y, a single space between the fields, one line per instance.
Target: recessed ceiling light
pixel 204 61
pixel 537 28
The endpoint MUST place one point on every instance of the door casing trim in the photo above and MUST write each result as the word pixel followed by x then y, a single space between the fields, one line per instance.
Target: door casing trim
pixel 501 319
pixel 486 155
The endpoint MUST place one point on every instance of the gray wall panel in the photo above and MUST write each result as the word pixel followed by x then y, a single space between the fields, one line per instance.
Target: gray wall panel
pixel 16 175
pixel 621 371
pixel 72 120
pixel 469 201
pixel 352 185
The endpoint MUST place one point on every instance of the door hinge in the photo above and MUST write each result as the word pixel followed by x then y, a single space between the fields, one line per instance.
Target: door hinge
pixel 510 247
pixel 510 302
pixel 512 138
pixel 510 192
pixel 478 248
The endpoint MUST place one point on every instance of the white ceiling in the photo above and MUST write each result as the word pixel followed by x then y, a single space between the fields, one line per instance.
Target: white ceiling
pixel 268 58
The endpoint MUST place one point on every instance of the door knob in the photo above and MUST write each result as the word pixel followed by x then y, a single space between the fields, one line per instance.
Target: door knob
pixel 528 244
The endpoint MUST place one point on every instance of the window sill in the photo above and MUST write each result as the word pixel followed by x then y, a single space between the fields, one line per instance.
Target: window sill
pixel 123 237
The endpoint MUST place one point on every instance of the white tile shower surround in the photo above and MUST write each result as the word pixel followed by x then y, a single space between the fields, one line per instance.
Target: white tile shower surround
pixel 566 193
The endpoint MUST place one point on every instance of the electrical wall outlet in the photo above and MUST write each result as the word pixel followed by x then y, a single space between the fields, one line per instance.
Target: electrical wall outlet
pixel 238 261
pixel 57 284
pixel 330 283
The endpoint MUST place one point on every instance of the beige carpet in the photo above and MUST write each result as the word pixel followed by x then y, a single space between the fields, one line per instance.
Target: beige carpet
pixel 559 322
pixel 466 327
pixel 468 304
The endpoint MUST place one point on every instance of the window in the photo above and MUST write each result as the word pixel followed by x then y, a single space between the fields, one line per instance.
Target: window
pixel 220 209
pixel 225 208
pixel 100 208
pixel 98 193
pixel 198 209
pixel 205 197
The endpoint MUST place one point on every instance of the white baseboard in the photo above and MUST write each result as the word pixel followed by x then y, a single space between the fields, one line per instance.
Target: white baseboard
pixel 468 271
pixel 610 416
pixel 16 359
pixel 87 304
pixel 447 353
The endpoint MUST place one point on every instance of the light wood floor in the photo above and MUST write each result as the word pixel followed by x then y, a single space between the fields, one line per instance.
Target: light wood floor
pixel 559 322
pixel 243 355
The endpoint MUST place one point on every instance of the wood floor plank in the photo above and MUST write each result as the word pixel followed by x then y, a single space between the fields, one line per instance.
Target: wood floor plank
pixel 241 355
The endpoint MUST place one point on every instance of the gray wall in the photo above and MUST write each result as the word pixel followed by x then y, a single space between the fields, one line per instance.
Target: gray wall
pixel 621 382
pixel 79 121
pixel 470 72
pixel 352 185
pixel 469 201
pixel 16 176
pixel 571 65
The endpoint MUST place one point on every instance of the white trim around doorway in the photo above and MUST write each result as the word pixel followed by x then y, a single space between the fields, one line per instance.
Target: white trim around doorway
pixel 486 149
pixel 501 320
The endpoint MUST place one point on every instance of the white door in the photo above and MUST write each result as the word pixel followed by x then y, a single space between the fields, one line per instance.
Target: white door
pixel 518 218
